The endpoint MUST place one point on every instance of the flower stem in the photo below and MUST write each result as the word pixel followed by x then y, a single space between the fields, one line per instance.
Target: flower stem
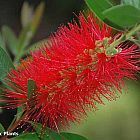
pixel 123 38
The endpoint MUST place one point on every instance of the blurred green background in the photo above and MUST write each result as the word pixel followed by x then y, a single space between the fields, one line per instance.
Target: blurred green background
pixel 116 120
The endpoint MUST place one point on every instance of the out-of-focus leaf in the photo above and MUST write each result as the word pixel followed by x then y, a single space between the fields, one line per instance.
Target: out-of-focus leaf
pixel 24 39
pixel 98 6
pixel 37 16
pixel 124 16
pixel 2 43
pixel 26 14
pixel 71 136
pixel 1 128
pixel 5 64
pixel 29 31
pixel 27 136
pixel 138 35
pixel 10 39
pixel 31 88
pixel 135 3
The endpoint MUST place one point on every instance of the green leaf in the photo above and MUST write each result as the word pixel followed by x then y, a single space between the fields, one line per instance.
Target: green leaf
pixel 5 64
pixel 26 14
pixel 52 135
pixel 31 88
pixel 19 112
pixel 37 16
pixel 27 136
pixel 135 3
pixel 98 6
pixel 10 39
pixel 46 134
pixel 71 136
pixel 123 16
pixel 28 31
pixel 1 128
pixel 2 43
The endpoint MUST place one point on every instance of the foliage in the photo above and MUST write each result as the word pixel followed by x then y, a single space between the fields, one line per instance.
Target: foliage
pixel 106 11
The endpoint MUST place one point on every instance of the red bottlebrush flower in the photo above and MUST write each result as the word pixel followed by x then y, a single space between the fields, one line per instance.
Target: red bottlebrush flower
pixel 72 73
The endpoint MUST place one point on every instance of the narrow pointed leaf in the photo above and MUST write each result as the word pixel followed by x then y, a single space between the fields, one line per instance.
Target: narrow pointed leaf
pixel 1 128
pixel 31 88
pixel 19 112
pixel 10 39
pixel 37 16
pixel 123 16
pixel 2 43
pixel 5 64
pixel 28 31
pixel 26 14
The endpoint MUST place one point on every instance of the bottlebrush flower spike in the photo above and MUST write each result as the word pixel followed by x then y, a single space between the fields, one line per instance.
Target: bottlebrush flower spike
pixel 72 73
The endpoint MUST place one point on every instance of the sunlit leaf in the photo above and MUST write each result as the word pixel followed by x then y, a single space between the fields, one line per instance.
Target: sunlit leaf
pixel 5 64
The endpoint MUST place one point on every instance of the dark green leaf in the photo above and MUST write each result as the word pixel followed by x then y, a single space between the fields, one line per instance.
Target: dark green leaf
pixel 52 135
pixel 31 88
pixel 28 136
pixel 71 136
pixel 135 3
pixel 1 128
pixel 5 64
pixel 98 6
pixel 10 39
pixel 123 16
pixel 46 134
